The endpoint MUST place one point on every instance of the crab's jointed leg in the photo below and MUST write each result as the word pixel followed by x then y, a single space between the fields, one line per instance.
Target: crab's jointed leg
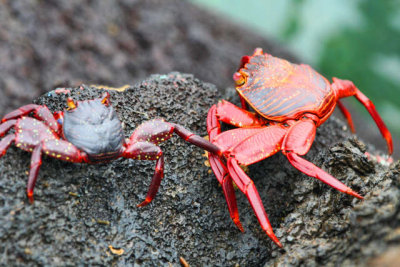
pixel 6 126
pixel 41 113
pixel 144 150
pixel 297 142
pixel 5 143
pixel 347 115
pixel 36 161
pixel 220 171
pixel 142 145
pixel 248 188
pixel 233 115
pixel 345 88
pixel 225 180
pixel 246 146
pixel 55 148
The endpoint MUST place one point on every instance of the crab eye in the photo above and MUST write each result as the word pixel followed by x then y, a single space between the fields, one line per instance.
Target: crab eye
pixel 70 103
pixel 106 99
pixel 238 78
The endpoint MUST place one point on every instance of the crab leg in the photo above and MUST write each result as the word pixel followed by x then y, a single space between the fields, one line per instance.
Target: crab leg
pixel 40 112
pixel 5 143
pixel 225 180
pixel 347 115
pixel 297 142
pixel 246 146
pixel 345 88
pixel 311 170
pixel 55 148
pixel 36 161
pixel 219 169
pixel 158 130
pixel 143 145
pixel 248 188
pixel 155 182
pixel 144 150
pixel 6 126
pixel 233 115
pixel 195 139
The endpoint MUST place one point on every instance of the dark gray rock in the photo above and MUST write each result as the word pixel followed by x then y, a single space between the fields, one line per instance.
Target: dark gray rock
pixel 188 217
pixel 80 210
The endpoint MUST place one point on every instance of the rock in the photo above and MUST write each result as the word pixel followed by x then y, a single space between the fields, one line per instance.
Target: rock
pixel 87 214
pixel 66 224
pixel 66 43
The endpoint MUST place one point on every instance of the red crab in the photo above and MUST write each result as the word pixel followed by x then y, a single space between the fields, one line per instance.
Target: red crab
pixel 290 101
pixel 89 132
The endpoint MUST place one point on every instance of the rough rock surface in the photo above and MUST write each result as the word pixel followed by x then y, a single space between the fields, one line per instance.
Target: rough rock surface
pixel 80 210
pixel 45 44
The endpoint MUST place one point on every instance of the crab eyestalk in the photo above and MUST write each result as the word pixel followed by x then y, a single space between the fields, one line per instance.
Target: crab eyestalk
pixel 106 99
pixel 238 78
pixel 70 103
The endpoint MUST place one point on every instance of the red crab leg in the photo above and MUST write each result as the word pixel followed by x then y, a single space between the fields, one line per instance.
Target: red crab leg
pixel 229 192
pixel 311 170
pixel 219 169
pixel 158 130
pixel 6 126
pixel 5 143
pixel 195 139
pixel 297 142
pixel 233 115
pixel 243 103
pixel 213 125
pixel 155 182
pixel 36 161
pixel 144 150
pixel 345 88
pixel 55 148
pixel 247 146
pixel 248 188
pixel 143 141
pixel 347 115
pixel 40 112
pixel 250 145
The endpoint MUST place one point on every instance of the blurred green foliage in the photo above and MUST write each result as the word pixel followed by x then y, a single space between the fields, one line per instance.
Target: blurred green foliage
pixel 369 55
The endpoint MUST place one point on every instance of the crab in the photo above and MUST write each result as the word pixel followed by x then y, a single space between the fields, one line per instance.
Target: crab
pixel 289 101
pixel 89 132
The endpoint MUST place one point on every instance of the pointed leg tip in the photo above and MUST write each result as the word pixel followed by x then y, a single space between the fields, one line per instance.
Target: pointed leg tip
pixel 352 193
pixel 144 203
pixel 274 238
pixel 239 225
pixel 30 197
